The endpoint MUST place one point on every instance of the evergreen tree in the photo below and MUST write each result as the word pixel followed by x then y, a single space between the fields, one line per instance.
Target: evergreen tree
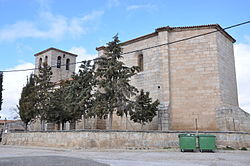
pixel 44 89
pixel 57 112
pixel 114 91
pixel 144 110
pixel 79 92
pixel 1 89
pixel 27 102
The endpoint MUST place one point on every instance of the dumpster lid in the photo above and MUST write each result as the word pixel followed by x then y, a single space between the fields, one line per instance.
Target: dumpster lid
pixel 206 135
pixel 186 135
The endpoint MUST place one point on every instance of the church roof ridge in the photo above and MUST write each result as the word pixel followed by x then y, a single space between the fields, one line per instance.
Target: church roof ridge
pixel 56 49
pixel 180 28
pixel 175 29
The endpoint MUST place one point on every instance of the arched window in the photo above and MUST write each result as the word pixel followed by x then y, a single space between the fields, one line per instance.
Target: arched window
pixel 40 63
pixel 67 64
pixel 140 62
pixel 46 59
pixel 59 62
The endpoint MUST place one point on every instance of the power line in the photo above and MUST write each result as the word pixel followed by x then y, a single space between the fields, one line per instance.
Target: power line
pixel 188 38
pixel 169 43
pixel 8 71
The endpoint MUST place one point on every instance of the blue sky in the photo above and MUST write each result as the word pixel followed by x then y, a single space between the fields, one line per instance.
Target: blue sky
pixel 79 26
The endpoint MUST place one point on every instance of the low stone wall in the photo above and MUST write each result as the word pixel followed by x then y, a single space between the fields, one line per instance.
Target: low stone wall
pixel 231 118
pixel 101 139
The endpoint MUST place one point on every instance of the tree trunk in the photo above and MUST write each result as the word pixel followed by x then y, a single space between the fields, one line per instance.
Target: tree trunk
pixel 141 126
pixel 26 126
pixel 84 121
pixel 76 124
pixel 63 125
pixel 110 120
pixel 42 125
pixel 126 121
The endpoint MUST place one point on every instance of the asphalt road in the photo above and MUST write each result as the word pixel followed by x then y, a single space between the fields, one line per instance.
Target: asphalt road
pixel 47 161
pixel 41 156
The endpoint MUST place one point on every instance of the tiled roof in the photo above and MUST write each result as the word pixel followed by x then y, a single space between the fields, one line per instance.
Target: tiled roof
pixel 175 29
pixel 8 121
pixel 211 26
pixel 52 48
pixel 189 27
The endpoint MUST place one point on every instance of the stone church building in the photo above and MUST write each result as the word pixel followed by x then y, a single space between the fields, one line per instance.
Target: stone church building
pixel 193 79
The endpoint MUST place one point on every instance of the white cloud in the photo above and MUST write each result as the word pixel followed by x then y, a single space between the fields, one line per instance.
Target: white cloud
pixel 136 7
pixel 242 61
pixel 49 26
pixel 93 15
pixel 19 30
pixel 82 55
pixel 13 83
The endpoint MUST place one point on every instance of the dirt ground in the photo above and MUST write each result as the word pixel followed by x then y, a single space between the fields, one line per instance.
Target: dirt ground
pixel 20 155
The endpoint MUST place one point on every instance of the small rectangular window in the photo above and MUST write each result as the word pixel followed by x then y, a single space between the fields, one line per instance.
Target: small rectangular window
pixel 140 62
pixel 67 64
pixel 46 59
pixel 40 63
pixel 58 62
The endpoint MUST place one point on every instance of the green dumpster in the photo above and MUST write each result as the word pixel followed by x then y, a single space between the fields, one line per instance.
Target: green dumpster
pixel 187 142
pixel 206 142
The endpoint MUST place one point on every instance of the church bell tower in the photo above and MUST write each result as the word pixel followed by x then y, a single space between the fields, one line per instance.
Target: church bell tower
pixel 62 63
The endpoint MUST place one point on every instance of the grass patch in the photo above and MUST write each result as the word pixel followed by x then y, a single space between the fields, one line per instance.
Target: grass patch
pixel 228 148
pixel 243 148
pixel 166 147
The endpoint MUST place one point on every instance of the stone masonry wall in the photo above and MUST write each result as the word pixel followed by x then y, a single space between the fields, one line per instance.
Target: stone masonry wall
pixel 194 81
pixel 190 78
pixel 117 139
pixel 155 60
pixel 227 75
pixel 231 118
pixel 37 58
pixel 58 73
pixel 62 73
